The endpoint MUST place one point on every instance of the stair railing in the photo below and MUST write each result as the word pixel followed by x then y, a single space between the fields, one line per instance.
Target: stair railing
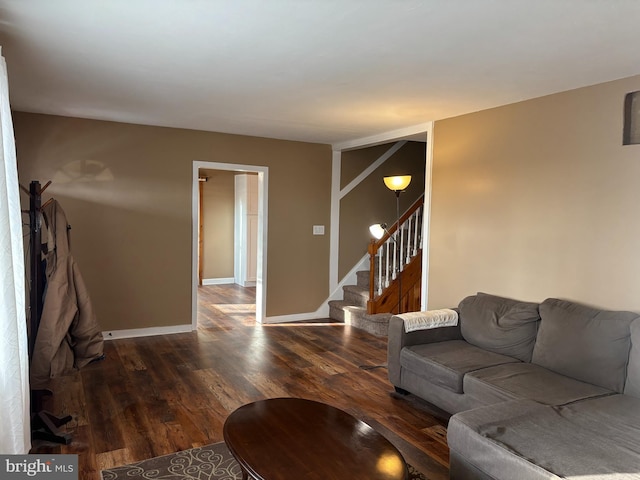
pixel 385 263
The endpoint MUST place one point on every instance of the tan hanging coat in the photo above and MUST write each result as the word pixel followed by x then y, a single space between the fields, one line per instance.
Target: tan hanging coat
pixel 69 335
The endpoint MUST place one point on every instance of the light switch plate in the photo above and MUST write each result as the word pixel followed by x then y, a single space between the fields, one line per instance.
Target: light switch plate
pixel 318 229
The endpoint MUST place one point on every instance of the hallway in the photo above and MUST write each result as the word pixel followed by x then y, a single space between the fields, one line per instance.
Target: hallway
pixel 220 303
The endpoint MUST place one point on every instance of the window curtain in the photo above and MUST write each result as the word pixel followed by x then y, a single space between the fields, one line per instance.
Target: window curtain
pixel 15 435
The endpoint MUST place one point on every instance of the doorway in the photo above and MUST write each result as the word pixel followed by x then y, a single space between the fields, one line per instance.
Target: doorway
pixel 260 226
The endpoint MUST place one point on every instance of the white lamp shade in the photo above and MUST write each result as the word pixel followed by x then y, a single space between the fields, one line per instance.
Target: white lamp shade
pixel 377 231
pixel 398 182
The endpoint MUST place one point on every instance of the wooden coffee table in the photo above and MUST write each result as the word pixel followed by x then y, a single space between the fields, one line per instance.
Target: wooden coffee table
pixel 292 438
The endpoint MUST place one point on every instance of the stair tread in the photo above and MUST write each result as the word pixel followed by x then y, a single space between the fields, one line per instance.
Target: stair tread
pixel 360 310
pixel 356 289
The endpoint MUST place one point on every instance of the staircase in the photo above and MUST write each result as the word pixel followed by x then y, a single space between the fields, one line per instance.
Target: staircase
pixel 353 309
pixel 395 264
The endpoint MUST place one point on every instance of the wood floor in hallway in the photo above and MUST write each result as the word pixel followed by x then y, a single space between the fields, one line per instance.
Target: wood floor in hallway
pixel 157 395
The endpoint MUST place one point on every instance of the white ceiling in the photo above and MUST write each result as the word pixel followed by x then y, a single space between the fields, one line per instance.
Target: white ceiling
pixel 325 71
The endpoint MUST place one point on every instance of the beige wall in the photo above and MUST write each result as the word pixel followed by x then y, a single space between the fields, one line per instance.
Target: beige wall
pixel 538 199
pixel 218 200
pixel 371 201
pixel 127 191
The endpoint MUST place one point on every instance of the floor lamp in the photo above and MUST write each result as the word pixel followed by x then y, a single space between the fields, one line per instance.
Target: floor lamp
pixel 398 184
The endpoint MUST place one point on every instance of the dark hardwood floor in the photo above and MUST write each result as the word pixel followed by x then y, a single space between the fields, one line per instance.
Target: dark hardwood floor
pixel 157 395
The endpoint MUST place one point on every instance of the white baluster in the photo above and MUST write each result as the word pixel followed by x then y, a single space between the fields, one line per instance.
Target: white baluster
pixel 386 284
pixel 422 226
pixel 395 258
pixel 410 222
pixel 401 266
pixel 415 241
pixel 380 251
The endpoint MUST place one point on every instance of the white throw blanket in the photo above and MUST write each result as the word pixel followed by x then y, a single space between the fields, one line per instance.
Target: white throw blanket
pixel 444 317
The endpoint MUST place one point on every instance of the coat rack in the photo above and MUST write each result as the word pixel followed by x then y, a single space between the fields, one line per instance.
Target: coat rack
pixel 44 425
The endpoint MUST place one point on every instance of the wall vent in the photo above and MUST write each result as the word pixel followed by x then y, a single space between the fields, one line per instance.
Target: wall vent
pixel 631 132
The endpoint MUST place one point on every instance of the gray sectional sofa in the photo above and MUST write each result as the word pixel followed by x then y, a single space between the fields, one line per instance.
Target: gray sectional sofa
pixel 537 391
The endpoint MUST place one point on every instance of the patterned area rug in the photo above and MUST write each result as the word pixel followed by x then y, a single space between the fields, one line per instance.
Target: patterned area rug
pixel 211 462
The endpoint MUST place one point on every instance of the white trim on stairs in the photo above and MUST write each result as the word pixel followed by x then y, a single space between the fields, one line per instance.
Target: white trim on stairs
pixel 371 168
pixel 350 278
pixel 336 294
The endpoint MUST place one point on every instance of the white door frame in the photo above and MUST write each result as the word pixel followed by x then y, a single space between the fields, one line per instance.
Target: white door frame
pixel 261 277
pixel 423 131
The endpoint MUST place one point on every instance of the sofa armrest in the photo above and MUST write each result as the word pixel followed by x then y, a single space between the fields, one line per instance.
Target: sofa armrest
pixel 398 339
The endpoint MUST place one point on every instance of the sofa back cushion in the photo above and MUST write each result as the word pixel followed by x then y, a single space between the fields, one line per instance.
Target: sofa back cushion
pixel 584 343
pixel 632 385
pixel 500 325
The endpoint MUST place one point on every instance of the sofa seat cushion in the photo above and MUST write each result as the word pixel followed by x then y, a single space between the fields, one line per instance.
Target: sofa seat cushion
pixel 446 363
pixel 527 380
pixel 595 438
pixel 584 343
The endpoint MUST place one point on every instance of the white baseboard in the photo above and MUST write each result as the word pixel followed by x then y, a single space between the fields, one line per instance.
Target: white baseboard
pixel 146 332
pixel 217 281
pixel 322 312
